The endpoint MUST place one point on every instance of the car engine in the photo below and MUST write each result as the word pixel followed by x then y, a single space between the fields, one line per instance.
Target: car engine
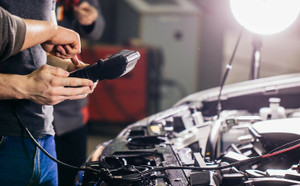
pixel 254 140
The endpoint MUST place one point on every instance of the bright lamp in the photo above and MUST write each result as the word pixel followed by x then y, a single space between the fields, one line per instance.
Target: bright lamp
pixel 265 16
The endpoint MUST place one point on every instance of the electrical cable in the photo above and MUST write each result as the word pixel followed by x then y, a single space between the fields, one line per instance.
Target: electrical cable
pixel 284 146
pixel 147 173
pixel 141 175
pixel 44 151
pixel 228 68
pixel 281 151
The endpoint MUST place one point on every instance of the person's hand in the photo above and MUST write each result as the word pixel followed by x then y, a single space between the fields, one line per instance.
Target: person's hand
pixel 66 64
pixel 72 67
pixel 64 44
pixel 85 13
pixel 51 85
pixel 76 65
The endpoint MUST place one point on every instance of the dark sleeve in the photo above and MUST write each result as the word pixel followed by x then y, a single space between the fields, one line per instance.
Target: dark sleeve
pixel 12 34
pixel 94 31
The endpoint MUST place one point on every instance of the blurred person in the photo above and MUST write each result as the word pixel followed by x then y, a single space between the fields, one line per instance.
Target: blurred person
pixel 71 116
pixel 29 87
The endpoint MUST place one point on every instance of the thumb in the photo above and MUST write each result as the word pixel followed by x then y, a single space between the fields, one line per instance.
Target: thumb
pixel 75 60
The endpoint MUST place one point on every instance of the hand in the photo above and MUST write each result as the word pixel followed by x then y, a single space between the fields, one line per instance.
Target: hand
pixel 85 13
pixel 64 44
pixel 78 65
pixel 51 85
pixel 75 66
pixel 65 64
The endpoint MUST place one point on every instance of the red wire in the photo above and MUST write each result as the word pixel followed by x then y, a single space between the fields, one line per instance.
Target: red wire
pixel 281 151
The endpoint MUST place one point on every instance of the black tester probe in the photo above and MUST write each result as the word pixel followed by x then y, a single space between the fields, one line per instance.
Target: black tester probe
pixel 113 67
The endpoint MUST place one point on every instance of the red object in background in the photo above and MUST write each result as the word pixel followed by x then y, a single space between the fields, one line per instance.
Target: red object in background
pixel 121 100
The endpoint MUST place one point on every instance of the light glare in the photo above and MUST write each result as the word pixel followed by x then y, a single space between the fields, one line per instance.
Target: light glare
pixel 265 16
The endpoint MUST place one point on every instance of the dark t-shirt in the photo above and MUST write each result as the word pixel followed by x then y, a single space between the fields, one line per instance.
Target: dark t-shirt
pixel 37 118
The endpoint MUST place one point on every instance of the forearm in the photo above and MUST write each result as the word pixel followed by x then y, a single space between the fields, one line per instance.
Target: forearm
pixel 12 86
pixel 17 34
pixel 38 32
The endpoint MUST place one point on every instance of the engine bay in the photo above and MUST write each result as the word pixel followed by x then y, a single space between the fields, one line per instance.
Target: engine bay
pixel 254 140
